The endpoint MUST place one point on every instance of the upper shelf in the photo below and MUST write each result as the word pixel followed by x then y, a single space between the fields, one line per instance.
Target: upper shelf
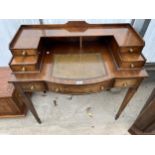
pixel 28 36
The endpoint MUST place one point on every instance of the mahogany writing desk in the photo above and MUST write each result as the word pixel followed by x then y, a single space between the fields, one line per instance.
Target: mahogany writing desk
pixel 76 58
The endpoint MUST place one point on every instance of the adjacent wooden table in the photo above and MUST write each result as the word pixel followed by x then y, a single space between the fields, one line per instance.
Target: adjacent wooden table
pixel 77 58
pixel 11 103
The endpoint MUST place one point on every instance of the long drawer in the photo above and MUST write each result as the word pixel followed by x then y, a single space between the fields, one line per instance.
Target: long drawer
pixel 79 89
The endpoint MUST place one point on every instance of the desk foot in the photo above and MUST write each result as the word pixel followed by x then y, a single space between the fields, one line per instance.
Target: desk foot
pixel 126 100
pixel 39 121
pixel 116 117
pixel 108 89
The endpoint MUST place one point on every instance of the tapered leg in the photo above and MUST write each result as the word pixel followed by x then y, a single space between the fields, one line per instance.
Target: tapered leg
pixel 28 102
pixel 126 100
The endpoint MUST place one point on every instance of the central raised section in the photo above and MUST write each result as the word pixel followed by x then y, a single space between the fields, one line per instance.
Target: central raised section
pixel 78 66
pixel 77 60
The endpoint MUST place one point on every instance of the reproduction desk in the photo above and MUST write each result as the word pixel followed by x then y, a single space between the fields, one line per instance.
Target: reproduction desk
pixel 76 58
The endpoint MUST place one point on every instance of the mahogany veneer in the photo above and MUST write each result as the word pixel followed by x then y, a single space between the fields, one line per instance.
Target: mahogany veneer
pixel 77 58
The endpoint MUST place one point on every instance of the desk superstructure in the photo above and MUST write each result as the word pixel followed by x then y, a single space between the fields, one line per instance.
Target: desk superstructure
pixel 77 58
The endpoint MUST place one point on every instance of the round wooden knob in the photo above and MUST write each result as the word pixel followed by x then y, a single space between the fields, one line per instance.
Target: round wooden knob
pixel 125 84
pixel 102 88
pixel 131 50
pixel 132 65
pixel 24 53
pixel 32 87
pixel 23 69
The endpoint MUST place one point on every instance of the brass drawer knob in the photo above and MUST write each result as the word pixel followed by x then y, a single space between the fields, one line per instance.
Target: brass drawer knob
pixel 125 84
pixel 102 88
pixel 57 89
pixel 23 69
pixel 19 95
pixel 47 52
pixel 132 65
pixel 131 50
pixel 24 53
pixel 32 87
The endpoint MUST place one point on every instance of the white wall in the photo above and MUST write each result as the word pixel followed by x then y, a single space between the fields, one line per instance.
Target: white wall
pixel 62 21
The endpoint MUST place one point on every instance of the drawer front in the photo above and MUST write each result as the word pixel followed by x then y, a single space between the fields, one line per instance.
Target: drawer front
pixel 24 52
pixel 79 89
pixel 132 65
pixel 33 86
pixel 125 83
pixel 131 49
pixel 23 68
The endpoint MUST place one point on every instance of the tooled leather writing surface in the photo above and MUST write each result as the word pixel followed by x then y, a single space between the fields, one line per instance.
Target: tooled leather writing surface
pixel 78 66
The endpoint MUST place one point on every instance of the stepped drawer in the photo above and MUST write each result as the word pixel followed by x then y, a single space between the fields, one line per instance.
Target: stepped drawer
pixel 24 68
pixel 24 64
pixel 132 65
pixel 24 52
pixel 131 49
pixel 131 61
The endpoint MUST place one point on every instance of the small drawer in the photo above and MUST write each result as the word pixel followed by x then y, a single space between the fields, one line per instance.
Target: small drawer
pixel 130 61
pixel 24 52
pixel 131 49
pixel 125 83
pixel 24 63
pixel 33 86
pixel 132 65
pixel 23 68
